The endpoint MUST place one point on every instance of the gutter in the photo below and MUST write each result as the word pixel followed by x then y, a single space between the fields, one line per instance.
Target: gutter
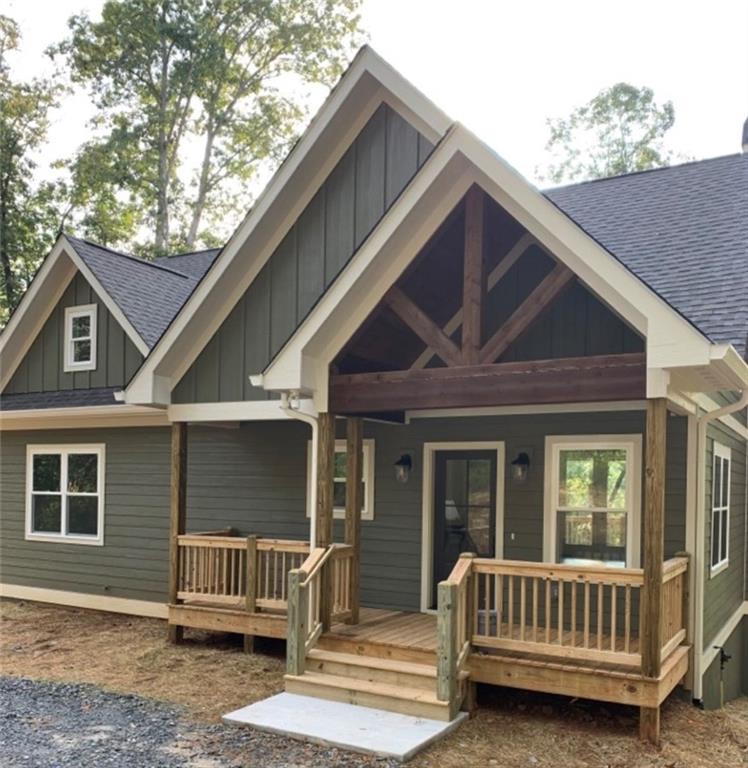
pixel 702 423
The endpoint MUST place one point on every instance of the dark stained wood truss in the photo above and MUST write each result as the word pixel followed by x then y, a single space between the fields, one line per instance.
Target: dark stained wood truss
pixel 453 328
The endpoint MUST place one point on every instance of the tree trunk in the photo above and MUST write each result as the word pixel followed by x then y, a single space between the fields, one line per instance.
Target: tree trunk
pixel 9 282
pixel 202 190
pixel 162 180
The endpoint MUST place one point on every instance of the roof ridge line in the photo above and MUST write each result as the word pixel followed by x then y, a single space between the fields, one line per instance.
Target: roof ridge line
pixel 190 253
pixel 129 256
pixel 641 172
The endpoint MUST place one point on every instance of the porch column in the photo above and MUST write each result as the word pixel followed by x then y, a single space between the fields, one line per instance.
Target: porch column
pixel 177 515
pixel 325 474
pixel 353 505
pixel 650 629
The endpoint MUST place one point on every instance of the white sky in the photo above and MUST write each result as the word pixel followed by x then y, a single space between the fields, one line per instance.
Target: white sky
pixel 502 68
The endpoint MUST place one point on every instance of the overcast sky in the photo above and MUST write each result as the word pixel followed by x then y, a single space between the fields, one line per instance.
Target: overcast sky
pixel 502 68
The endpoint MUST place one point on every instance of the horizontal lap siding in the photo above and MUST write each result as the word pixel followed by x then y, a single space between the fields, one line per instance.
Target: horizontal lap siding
pixel 724 592
pixel 349 204
pixel 42 369
pixel 735 675
pixel 133 562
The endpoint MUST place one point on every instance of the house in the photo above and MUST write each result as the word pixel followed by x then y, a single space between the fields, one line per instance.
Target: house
pixel 429 424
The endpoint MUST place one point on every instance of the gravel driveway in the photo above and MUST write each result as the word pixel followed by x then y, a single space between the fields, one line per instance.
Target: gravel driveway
pixel 60 725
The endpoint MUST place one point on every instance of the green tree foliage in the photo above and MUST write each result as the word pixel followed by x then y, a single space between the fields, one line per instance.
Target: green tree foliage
pixel 619 131
pixel 170 75
pixel 28 212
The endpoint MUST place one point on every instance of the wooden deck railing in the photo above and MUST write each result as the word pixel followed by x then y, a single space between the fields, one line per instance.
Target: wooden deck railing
pixel 237 572
pixel 588 614
pixel 318 594
pixel 454 625
pixel 674 604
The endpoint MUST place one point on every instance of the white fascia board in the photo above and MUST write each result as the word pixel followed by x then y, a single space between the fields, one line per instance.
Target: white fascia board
pixel 369 82
pixel 248 410
pixel 459 161
pixel 27 321
pixel 83 417
pixel 111 305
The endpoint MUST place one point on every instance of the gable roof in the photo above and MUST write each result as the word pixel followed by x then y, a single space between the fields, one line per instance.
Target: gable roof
pixel 683 230
pixel 149 293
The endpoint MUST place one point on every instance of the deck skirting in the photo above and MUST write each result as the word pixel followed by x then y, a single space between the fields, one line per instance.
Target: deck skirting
pixel 228 620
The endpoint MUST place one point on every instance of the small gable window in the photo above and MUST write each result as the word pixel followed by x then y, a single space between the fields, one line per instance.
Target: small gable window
pixel 80 338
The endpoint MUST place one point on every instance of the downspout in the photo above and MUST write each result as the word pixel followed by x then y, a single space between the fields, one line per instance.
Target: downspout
pixel 702 423
pixel 290 405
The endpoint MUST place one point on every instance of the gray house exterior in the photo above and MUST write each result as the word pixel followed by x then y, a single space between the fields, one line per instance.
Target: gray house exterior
pixel 238 356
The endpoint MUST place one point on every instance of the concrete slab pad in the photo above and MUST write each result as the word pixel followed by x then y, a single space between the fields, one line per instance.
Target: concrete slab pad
pixel 348 726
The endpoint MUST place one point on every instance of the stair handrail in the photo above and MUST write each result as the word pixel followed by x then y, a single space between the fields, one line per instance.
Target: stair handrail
pixel 454 622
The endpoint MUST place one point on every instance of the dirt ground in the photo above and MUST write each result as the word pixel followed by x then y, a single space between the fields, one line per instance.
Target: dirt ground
pixel 210 675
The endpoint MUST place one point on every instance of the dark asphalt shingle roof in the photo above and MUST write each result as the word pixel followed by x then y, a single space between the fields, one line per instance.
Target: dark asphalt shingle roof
pixel 149 293
pixel 66 398
pixel 683 230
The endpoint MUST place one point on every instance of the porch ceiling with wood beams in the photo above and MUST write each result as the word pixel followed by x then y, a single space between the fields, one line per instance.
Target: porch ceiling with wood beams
pixel 457 329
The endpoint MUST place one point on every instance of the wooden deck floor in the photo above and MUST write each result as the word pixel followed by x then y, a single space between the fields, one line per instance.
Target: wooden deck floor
pixel 397 628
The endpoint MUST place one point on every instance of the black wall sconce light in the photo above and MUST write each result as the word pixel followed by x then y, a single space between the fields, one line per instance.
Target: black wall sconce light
pixel 520 467
pixel 403 467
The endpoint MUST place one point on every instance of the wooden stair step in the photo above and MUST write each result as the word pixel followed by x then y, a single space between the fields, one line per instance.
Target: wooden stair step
pixel 374 662
pixel 394 698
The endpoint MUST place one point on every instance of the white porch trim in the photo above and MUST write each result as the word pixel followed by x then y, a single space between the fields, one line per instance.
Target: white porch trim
pixel 83 417
pixel 84 600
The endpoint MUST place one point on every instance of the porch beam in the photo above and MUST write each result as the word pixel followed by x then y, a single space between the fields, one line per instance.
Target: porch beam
pixel 540 300
pixel 353 505
pixel 473 289
pixel 654 554
pixel 423 326
pixel 565 380
pixel 177 515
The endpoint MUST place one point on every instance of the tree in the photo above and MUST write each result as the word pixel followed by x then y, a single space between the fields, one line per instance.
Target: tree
pixel 168 75
pixel 29 217
pixel 619 131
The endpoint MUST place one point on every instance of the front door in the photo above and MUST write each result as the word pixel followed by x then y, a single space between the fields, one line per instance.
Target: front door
pixel 464 509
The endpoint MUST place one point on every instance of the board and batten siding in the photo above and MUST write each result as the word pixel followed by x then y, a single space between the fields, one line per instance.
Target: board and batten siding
pixel 360 189
pixel 725 591
pixel 43 367
pixel 133 561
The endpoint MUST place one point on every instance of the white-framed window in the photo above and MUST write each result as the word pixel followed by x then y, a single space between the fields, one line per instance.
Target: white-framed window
pixel 593 500
pixel 721 473
pixel 80 338
pixel 339 479
pixel 65 493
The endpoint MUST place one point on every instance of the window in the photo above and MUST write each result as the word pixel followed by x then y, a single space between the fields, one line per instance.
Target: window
pixel 65 493
pixel 720 508
pixel 339 480
pixel 80 338
pixel 593 500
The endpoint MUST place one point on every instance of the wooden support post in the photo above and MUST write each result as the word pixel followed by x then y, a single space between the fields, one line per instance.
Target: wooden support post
pixel 473 278
pixel 446 649
pixel 325 474
pixel 250 594
pixel 298 614
pixel 177 515
pixel 650 629
pixel 354 504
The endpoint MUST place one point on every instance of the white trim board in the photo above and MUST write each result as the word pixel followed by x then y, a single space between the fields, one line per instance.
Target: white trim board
pixel 526 410
pixel 85 600
pixel 246 410
pixel 83 417
pixel 427 505
pixel 368 82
